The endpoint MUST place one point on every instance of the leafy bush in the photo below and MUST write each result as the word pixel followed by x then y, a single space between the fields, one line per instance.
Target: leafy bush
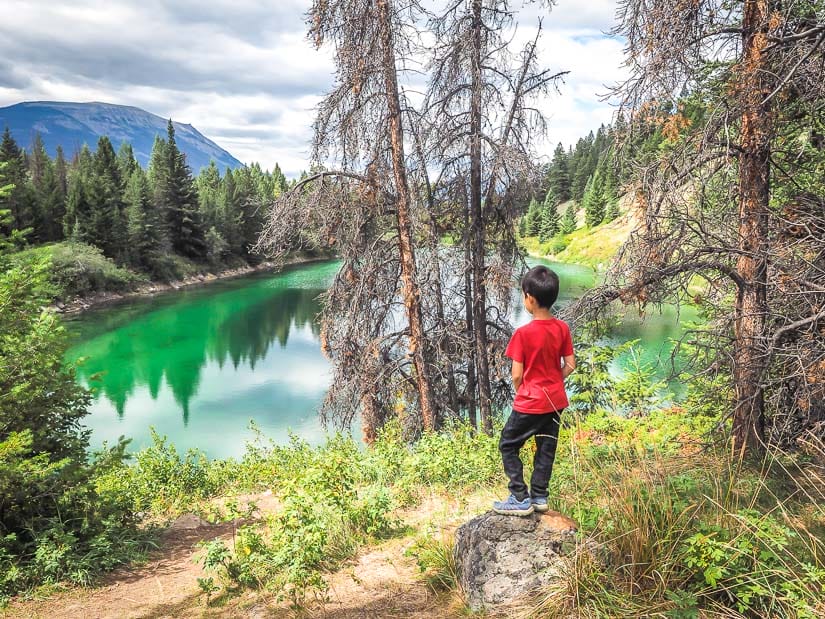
pixel 77 269
pixel 54 525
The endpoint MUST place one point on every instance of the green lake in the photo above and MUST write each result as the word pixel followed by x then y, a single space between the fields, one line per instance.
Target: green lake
pixel 199 364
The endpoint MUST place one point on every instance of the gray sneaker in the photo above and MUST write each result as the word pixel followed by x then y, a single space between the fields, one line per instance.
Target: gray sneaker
pixel 540 504
pixel 513 507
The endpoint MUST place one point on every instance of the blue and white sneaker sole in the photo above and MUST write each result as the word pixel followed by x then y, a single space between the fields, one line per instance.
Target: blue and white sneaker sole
pixel 514 512
pixel 541 508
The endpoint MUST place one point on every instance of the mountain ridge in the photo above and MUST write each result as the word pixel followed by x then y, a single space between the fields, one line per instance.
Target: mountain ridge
pixel 72 124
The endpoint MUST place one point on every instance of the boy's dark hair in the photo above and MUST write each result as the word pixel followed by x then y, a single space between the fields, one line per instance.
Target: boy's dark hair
pixel 543 284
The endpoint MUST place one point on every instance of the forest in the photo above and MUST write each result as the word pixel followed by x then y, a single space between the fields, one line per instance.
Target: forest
pixel 155 222
pixel 709 504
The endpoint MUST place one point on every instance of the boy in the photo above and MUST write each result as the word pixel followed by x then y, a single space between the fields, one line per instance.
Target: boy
pixel 537 350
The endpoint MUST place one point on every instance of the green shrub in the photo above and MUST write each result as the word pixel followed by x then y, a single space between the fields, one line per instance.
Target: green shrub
pixel 54 525
pixel 435 557
pixel 77 269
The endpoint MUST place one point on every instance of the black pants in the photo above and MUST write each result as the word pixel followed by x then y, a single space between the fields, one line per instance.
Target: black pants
pixel 518 429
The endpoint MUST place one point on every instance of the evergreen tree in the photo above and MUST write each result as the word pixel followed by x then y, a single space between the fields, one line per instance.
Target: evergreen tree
pixel 48 194
pixel 549 218
pixel 61 171
pixel 279 182
pixel 593 201
pixel 522 226
pixel 580 167
pixel 77 223
pixel 126 161
pixel 107 223
pixel 145 228
pixel 533 218
pixel 610 190
pixel 179 199
pixel 559 174
pixel 230 214
pixel 568 220
pixel 18 200
pixel 209 196
pixel 250 211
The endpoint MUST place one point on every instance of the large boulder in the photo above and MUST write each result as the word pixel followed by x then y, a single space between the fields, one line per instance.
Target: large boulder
pixel 502 558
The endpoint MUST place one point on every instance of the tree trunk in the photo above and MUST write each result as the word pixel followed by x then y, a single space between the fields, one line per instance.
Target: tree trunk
pixel 412 296
pixel 751 307
pixel 468 305
pixel 452 390
pixel 477 230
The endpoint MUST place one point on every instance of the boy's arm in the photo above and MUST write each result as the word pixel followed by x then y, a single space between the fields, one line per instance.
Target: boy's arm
pixel 517 373
pixel 569 365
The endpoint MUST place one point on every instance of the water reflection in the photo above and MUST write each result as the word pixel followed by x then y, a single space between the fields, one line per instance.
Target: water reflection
pixel 212 358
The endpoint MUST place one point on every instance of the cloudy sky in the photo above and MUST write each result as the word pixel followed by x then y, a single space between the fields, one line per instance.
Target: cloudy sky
pixel 242 71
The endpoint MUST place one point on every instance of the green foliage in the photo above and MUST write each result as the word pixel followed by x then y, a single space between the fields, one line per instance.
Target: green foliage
pixel 155 222
pixel 549 223
pixel 558 176
pixel 53 524
pixel 533 218
pixel 78 269
pixel 567 225
pixel 435 556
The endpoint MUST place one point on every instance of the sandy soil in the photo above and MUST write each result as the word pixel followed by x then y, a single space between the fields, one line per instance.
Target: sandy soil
pixel 379 582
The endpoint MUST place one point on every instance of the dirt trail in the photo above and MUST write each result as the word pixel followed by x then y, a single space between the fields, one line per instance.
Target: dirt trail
pixel 379 582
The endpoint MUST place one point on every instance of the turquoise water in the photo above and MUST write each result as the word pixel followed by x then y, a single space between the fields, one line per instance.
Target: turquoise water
pixel 198 364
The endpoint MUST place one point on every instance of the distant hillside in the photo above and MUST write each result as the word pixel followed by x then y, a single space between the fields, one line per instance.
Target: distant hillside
pixel 71 125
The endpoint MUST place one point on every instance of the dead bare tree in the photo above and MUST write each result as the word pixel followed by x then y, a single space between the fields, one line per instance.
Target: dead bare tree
pixel 482 128
pixel 720 204
pixel 363 208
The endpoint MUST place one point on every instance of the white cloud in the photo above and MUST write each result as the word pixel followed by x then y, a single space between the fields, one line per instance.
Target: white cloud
pixel 243 72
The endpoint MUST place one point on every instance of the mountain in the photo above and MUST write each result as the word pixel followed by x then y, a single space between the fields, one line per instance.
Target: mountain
pixel 71 125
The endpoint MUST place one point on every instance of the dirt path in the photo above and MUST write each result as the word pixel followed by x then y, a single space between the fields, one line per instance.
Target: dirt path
pixel 379 582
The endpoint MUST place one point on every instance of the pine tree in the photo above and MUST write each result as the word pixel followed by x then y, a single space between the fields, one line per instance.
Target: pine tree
pixel 580 167
pixel 180 201
pixel 48 193
pixel 559 174
pixel 126 161
pixel 77 221
pixel 106 228
pixel 610 192
pixel 533 218
pixel 61 171
pixel 279 182
pixel 549 218
pixel 522 226
pixel 593 201
pixel 209 193
pixel 145 228
pixel 568 220
pixel 230 214
pixel 18 200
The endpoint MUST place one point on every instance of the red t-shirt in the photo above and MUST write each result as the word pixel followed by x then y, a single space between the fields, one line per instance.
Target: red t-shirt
pixel 540 346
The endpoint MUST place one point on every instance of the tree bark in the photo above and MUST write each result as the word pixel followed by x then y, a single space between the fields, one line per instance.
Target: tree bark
pixel 412 295
pixel 477 230
pixel 468 305
pixel 751 309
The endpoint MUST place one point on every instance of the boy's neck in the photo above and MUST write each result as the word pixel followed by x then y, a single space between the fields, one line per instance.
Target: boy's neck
pixel 542 313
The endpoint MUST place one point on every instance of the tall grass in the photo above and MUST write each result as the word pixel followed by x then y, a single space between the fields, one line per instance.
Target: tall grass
pixel 690 534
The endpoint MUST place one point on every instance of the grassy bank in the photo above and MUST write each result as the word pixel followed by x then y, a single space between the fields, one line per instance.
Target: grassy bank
pixel 591 246
pixel 81 276
pixel 682 527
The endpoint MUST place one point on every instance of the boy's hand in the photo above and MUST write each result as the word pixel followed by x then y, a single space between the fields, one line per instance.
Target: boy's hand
pixel 569 365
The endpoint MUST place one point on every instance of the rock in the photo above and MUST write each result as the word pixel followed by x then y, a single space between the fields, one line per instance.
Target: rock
pixel 501 558
pixel 187 522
